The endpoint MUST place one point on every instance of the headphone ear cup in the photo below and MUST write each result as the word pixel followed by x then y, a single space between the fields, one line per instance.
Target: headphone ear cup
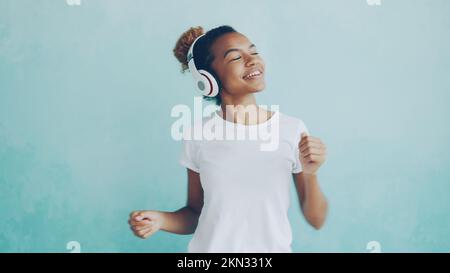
pixel 211 87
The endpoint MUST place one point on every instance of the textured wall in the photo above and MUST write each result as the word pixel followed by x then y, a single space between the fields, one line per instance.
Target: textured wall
pixel 86 93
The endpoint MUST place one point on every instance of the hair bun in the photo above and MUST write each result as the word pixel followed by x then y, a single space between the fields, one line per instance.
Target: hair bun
pixel 184 43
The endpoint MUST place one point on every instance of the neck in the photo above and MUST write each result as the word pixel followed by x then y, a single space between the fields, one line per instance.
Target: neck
pixel 243 109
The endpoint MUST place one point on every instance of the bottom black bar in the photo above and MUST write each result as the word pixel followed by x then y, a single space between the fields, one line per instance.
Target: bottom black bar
pixel 224 262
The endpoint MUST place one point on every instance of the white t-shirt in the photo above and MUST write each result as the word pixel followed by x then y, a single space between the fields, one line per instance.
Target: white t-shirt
pixel 246 189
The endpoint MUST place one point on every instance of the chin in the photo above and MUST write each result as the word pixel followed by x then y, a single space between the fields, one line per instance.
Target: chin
pixel 258 88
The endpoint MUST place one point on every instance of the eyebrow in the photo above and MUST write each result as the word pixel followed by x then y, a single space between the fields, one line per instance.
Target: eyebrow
pixel 235 49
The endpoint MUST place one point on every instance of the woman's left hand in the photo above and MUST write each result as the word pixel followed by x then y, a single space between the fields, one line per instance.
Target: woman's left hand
pixel 312 153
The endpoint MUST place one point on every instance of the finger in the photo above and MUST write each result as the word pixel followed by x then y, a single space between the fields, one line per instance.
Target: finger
pixel 311 155
pixel 150 233
pixel 311 145
pixel 137 228
pixel 304 136
pixel 306 145
pixel 308 136
pixel 140 223
pixel 309 139
pixel 312 152
pixel 139 216
pixel 302 146
pixel 133 214
pixel 149 214
pixel 141 233
pixel 314 158
pixel 142 230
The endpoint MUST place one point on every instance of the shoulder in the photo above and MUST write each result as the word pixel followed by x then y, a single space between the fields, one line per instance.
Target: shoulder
pixel 291 129
pixel 291 123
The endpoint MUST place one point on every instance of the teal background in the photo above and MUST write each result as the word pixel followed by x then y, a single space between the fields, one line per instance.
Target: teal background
pixel 86 93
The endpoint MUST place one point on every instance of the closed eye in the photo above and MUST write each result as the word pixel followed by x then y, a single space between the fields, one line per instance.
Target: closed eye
pixel 239 57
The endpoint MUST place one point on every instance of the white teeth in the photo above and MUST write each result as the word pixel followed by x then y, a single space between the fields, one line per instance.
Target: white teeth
pixel 256 73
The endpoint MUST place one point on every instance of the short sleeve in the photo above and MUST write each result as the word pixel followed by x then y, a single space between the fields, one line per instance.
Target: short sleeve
pixel 188 157
pixel 297 166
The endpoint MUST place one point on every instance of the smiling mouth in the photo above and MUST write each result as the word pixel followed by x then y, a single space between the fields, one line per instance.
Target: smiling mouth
pixel 254 75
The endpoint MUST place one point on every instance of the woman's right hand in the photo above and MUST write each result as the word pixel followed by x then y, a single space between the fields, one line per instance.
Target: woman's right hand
pixel 145 223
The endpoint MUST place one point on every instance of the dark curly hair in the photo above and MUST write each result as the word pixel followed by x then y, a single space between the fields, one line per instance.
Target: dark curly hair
pixel 202 51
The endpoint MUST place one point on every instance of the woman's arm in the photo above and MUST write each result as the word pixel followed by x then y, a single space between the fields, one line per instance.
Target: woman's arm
pixel 183 221
pixel 312 201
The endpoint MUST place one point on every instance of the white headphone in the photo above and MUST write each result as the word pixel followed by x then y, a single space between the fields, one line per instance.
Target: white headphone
pixel 206 82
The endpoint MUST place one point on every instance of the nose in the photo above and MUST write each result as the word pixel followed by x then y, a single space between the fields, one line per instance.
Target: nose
pixel 252 60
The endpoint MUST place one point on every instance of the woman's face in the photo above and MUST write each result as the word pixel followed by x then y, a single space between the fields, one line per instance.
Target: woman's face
pixel 238 65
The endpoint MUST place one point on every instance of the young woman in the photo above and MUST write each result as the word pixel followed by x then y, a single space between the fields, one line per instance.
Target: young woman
pixel 238 195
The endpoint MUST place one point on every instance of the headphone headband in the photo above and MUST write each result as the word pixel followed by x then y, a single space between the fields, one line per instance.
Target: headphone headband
pixel 190 54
